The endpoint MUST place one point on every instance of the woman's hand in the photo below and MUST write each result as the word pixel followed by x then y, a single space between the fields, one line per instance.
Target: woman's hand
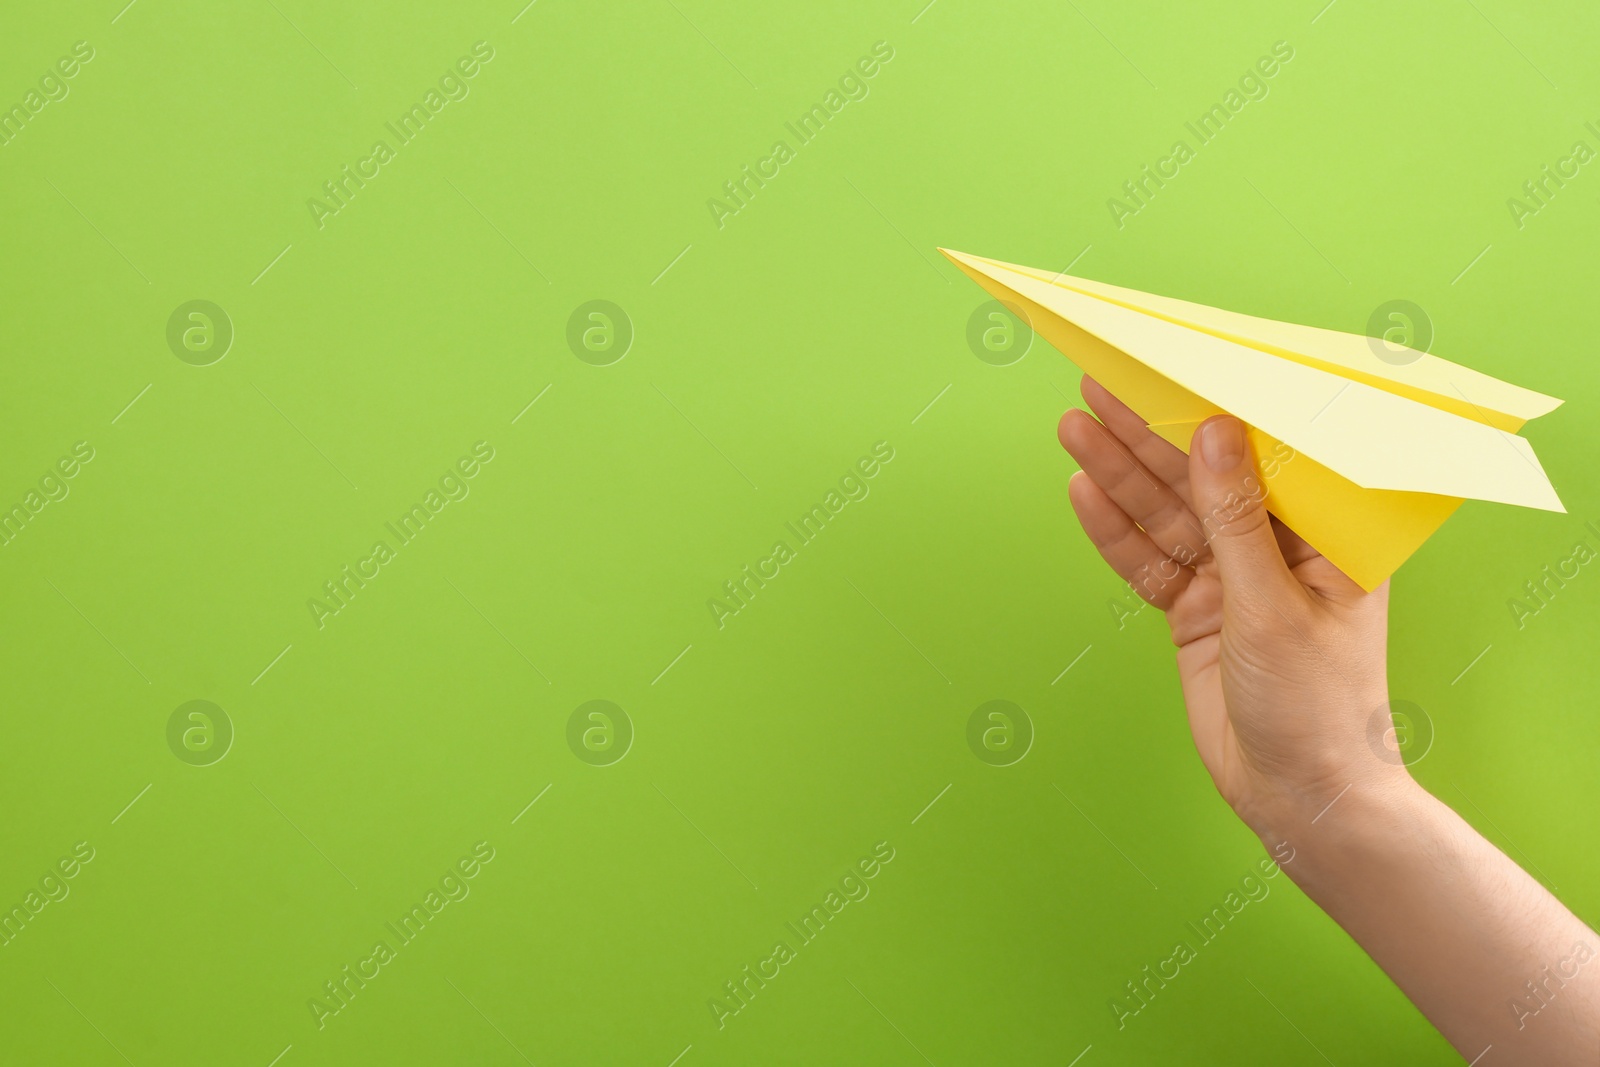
pixel 1282 662
pixel 1282 676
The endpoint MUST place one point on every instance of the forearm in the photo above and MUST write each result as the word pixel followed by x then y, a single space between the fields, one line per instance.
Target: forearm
pixel 1483 950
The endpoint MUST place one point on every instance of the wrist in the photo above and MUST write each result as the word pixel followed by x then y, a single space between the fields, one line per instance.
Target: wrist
pixel 1332 831
pixel 1322 755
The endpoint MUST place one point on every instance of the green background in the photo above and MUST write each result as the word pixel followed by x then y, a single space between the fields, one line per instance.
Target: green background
pixel 769 355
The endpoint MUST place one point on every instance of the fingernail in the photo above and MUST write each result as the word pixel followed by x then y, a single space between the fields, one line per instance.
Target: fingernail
pixel 1222 443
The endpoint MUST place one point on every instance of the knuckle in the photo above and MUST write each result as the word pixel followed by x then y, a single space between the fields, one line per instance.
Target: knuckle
pixel 1247 523
pixel 1238 512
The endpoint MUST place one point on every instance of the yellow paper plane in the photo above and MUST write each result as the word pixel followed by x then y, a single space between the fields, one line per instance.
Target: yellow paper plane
pixel 1383 449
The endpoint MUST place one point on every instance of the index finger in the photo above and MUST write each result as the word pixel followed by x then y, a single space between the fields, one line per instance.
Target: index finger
pixel 1162 458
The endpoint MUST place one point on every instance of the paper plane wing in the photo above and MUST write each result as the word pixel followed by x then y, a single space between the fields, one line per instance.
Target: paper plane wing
pixel 1368 458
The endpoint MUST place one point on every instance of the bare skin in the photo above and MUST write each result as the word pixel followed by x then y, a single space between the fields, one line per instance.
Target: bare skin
pixel 1282 664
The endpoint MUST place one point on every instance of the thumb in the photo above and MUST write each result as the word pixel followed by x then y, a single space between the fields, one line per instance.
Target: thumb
pixel 1230 501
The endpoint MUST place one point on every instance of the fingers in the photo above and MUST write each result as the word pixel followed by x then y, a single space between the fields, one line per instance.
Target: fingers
pixel 1151 503
pixel 1162 458
pixel 1124 546
pixel 1230 502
